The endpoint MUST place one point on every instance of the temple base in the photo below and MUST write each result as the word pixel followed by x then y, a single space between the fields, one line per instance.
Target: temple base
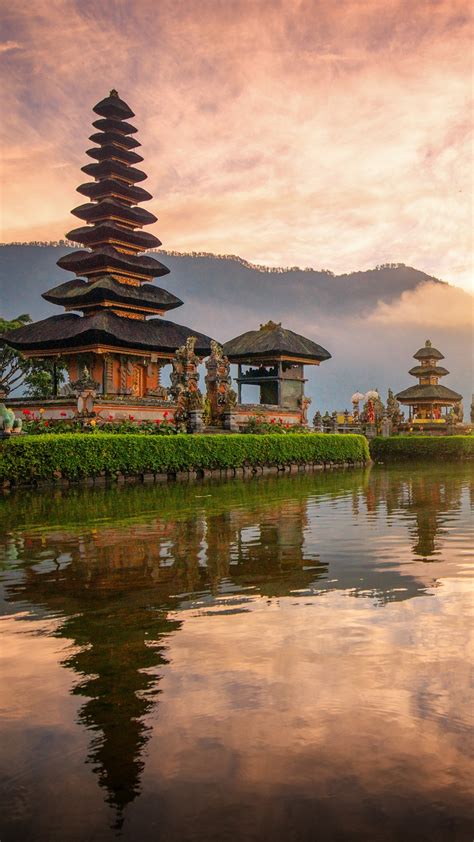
pixel 103 409
pixel 240 415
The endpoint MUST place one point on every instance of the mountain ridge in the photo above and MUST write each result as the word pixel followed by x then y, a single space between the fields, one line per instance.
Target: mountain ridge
pixel 227 295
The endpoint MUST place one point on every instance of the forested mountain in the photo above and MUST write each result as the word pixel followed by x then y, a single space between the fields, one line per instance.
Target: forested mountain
pixel 348 314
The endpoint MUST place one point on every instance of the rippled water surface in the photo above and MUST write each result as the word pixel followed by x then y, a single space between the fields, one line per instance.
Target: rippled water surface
pixel 283 658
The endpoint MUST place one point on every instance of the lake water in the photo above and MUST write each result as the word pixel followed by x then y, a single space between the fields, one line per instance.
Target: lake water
pixel 282 658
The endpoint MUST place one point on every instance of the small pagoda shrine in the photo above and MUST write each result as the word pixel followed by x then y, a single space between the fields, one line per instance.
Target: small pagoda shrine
pixel 272 358
pixel 112 347
pixel 427 400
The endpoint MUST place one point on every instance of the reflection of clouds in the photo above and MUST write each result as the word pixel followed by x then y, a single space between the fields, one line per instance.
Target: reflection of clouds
pixel 260 639
pixel 355 115
pixel 327 690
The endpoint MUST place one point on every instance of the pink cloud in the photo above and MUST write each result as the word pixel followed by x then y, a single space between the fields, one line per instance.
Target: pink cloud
pixel 296 132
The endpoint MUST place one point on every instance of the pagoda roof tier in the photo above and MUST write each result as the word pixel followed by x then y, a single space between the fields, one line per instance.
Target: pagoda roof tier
pixel 114 107
pixel 107 260
pixel 112 188
pixel 104 330
pixel 111 209
pixel 273 341
pixel 109 152
pixel 104 138
pixel 108 124
pixel 427 370
pixel 114 169
pixel 105 289
pixel 428 394
pixel 109 233
pixel 428 353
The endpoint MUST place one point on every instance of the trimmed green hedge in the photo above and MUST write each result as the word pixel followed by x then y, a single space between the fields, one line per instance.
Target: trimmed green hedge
pixel 397 448
pixel 29 458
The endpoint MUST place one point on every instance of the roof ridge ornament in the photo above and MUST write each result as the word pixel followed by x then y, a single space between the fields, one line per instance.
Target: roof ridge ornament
pixel 428 343
pixel 270 325
pixel 113 92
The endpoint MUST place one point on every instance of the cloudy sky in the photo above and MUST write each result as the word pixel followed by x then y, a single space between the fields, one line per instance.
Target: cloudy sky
pixel 291 132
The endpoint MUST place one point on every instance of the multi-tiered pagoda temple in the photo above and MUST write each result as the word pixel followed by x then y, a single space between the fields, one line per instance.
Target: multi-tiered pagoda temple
pixel 122 349
pixel 427 400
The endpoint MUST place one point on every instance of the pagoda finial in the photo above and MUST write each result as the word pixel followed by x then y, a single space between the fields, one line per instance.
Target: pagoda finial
pixel 270 325
pixel 113 92
pixel 428 343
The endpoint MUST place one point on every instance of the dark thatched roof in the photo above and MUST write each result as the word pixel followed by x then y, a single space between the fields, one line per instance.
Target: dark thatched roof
pixel 79 292
pixel 110 232
pixel 114 168
pixel 113 107
pixel 428 352
pixel 427 370
pixel 103 153
pixel 111 137
pixel 273 340
pixel 86 262
pixel 111 208
pixel 108 124
pixel 436 394
pixel 113 187
pixel 69 330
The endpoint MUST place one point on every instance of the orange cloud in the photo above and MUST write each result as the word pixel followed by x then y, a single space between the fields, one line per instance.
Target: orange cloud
pixel 291 132
pixel 430 305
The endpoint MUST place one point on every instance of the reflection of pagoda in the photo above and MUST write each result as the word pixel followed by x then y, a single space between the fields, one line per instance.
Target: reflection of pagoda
pixel 121 349
pixel 120 646
pixel 428 398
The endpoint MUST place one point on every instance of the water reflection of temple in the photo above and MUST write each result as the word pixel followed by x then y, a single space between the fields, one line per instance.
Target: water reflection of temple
pixel 425 504
pixel 112 588
pixel 115 584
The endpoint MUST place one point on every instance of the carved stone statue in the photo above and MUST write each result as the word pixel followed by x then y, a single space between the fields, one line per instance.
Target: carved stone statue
pixel 184 387
pixel 8 422
pixel 458 411
pixel 219 390
pixel 318 422
pixel 85 383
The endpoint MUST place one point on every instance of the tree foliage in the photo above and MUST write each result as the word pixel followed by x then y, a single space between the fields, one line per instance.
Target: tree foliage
pixel 36 376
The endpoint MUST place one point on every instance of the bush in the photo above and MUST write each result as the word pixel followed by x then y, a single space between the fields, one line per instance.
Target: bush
pixel 397 448
pixel 73 455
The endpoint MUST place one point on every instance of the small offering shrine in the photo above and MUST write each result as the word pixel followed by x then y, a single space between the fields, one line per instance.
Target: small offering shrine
pixel 427 401
pixel 114 340
pixel 272 358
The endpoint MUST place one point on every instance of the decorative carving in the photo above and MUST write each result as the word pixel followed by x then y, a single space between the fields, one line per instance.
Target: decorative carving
pixel 184 387
pixel 218 381
pixel 85 383
pixel 318 422
pixel 8 423
pixel 458 412
pixel 304 403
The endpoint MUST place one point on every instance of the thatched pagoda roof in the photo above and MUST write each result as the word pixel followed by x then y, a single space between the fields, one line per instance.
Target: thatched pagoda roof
pixel 115 138
pixel 107 257
pixel 428 393
pixel 113 209
pixel 113 187
pixel 427 370
pixel 111 169
pixel 109 124
pixel 428 352
pixel 272 340
pixel 70 331
pixel 106 151
pixel 111 233
pixel 79 293
pixel 113 107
